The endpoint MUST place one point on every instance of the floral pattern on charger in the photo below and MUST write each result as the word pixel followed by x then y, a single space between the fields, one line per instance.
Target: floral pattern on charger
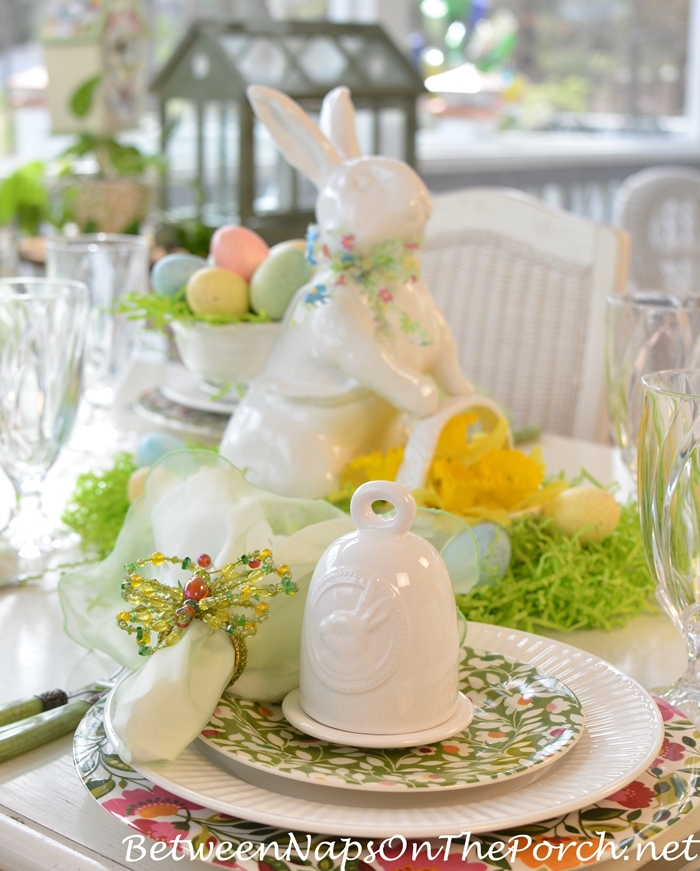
pixel 662 796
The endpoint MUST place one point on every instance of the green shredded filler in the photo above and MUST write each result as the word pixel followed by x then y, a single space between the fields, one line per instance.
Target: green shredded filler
pixel 98 506
pixel 555 583
pixel 163 310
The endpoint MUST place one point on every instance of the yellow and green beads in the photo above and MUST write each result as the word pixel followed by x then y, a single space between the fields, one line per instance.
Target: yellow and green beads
pixel 218 597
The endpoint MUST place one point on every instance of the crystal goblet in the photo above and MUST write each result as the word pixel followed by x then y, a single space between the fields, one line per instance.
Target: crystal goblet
pixel 42 330
pixel 111 266
pixel 669 507
pixel 646 331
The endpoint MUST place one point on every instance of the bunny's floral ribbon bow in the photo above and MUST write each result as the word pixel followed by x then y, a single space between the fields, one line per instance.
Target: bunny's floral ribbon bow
pixel 390 263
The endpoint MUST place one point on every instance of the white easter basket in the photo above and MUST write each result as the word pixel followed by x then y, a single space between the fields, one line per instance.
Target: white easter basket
pixel 225 353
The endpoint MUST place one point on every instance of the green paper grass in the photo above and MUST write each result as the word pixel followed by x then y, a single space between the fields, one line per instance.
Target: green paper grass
pixel 98 506
pixel 555 583
pixel 163 310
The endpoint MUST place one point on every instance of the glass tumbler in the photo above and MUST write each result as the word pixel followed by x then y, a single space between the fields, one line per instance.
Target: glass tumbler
pixel 42 330
pixel 645 332
pixel 669 506
pixel 111 266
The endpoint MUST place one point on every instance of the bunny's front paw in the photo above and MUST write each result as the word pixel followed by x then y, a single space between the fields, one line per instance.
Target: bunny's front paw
pixel 427 399
pixel 460 386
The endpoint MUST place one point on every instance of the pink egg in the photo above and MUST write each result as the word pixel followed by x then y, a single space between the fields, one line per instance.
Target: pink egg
pixel 238 249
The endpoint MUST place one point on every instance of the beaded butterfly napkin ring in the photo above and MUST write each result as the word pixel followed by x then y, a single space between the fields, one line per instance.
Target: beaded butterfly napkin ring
pixel 211 595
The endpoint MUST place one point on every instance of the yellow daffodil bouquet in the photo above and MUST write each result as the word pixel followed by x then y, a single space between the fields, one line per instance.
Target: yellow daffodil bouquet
pixel 474 473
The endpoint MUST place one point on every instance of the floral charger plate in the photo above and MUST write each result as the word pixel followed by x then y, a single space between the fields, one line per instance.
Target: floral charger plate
pixel 647 808
pixel 523 720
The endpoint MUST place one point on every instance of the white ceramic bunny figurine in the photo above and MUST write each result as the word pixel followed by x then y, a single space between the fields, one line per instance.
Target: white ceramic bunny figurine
pixel 362 340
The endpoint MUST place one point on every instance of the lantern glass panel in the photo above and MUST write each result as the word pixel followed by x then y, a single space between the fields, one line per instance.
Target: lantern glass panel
pixel 234 44
pixel 380 66
pixel 263 63
pixel 322 61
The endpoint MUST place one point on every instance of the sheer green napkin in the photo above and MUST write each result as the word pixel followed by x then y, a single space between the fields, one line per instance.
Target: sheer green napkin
pixel 197 502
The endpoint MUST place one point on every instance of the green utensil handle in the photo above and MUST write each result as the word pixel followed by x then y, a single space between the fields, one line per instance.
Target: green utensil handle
pixel 25 735
pixel 23 708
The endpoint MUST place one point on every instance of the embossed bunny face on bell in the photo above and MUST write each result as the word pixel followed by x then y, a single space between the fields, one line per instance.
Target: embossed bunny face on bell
pixel 380 643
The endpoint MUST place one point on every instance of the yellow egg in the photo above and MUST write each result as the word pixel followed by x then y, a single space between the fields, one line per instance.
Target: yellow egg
pixel 594 511
pixel 137 484
pixel 214 291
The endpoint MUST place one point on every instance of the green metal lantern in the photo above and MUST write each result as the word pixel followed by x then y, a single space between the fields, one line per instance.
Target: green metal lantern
pixel 221 165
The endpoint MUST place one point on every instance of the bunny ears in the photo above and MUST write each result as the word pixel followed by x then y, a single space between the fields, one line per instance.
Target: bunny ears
pixel 338 122
pixel 312 150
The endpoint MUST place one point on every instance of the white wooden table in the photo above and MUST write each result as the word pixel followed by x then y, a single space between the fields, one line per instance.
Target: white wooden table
pixel 48 821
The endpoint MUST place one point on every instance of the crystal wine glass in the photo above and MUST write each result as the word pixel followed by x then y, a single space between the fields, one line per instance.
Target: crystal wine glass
pixel 647 331
pixel 111 266
pixel 669 507
pixel 42 330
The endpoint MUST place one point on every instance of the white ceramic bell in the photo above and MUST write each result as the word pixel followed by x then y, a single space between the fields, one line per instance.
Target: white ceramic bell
pixel 380 642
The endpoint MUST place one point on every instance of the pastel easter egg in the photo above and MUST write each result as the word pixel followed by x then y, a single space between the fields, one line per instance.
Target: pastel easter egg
pixel 459 557
pixel 238 249
pixel 494 551
pixel 299 244
pixel 277 279
pixel 215 291
pixel 136 485
pixel 154 445
pixel 172 272
pixel 589 511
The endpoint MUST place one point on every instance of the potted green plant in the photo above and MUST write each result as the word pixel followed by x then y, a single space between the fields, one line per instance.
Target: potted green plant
pixel 24 207
pixel 24 199
pixel 117 198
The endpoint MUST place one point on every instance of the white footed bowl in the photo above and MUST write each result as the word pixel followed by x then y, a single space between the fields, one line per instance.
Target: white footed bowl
pixel 225 353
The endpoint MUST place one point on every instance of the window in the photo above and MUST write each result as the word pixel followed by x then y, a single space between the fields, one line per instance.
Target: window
pixel 587 65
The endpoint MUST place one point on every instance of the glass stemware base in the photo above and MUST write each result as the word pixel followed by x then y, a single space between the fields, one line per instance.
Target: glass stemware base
pixel 32 533
pixel 685 696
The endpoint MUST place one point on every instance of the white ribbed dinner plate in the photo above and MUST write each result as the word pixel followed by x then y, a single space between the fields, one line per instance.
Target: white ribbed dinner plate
pixel 623 733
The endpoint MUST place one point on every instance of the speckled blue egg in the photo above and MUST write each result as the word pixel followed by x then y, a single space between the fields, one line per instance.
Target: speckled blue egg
pixel 494 552
pixel 172 272
pixel 154 445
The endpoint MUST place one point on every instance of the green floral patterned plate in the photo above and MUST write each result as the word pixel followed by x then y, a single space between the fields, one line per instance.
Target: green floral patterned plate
pixel 523 720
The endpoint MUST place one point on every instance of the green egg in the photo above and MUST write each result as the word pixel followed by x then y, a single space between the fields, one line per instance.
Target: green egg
pixel 277 279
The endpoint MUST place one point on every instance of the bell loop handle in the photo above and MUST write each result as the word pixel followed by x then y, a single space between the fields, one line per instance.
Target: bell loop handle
pixel 367 520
